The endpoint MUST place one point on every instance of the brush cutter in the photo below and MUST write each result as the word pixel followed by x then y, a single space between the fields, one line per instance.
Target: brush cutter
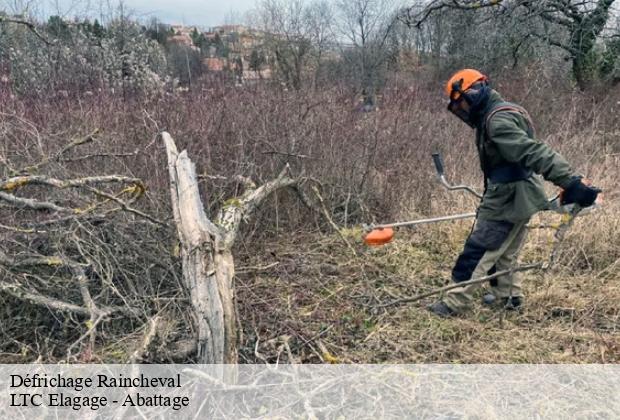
pixel 382 234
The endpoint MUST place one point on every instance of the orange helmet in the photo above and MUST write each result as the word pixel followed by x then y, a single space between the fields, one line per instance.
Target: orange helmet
pixel 461 81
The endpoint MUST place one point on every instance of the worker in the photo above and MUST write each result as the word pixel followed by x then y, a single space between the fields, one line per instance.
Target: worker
pixel 511 159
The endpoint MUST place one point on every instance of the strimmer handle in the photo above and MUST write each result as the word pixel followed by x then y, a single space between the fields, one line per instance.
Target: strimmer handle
pixel 438 163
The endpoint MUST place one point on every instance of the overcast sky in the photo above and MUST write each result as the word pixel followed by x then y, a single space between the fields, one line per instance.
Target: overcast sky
pixel 204 13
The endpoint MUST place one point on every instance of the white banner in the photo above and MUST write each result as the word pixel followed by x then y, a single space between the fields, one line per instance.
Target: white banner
pixel 310 391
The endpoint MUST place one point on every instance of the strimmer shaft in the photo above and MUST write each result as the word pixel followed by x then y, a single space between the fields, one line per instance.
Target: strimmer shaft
pixel 425 221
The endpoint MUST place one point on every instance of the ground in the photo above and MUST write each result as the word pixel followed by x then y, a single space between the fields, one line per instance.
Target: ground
pixel 311 300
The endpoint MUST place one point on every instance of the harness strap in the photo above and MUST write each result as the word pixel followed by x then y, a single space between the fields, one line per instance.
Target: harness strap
pixel 507 106
pixel 509 173
pixel 514 171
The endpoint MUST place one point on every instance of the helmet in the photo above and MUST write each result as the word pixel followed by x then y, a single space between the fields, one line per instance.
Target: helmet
pixel 461 81
pixel 471 87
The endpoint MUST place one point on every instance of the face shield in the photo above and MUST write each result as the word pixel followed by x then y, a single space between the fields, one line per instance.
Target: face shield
pixel 457 108
pixel 465 104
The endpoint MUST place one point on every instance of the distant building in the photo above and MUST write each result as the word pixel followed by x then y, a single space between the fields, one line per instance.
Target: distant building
pixel 240 42
pixel 185 40
pixel 183 36
pixel 226 29
pixel 256 75
pixel 215 63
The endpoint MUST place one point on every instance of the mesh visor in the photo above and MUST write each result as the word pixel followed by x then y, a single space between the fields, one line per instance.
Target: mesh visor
pixel 454 107
pixel 457 90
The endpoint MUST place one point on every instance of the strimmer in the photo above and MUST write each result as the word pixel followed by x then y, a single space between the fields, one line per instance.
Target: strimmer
pixel 384 233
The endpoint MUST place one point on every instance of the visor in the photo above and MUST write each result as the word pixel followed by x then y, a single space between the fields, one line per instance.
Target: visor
pixel 455 108
pixel 457 90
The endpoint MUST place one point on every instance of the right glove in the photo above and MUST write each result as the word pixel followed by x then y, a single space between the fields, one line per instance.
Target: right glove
pixel 580 193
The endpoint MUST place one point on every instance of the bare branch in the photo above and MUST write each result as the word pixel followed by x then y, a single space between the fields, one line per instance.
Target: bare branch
pixel 31 203
pixel 29 25
pixel 40 300
pixel 150 334
pixel 78 142
pixel 410 18
pixel 124 206
pixel 238 209
pixel 14 183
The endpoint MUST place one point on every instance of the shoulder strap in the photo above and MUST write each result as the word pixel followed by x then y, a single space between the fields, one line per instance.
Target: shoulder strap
pixel 509 106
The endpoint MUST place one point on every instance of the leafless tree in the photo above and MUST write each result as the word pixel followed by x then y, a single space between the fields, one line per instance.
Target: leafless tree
pixel 366 26
pixel 574 26
pixel 320 19
pixel 298 34
pixel 287 37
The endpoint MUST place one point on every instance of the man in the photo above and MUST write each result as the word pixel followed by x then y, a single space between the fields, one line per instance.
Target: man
pixel 511 160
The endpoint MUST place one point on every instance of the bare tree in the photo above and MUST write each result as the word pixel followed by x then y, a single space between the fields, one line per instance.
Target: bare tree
pixel 366 25
pixel 572 25
pixel 286 36
pixel 297 35
pixel 319 16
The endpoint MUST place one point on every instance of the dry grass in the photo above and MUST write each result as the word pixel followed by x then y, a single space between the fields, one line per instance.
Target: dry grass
pixel 296 284
pixel 319 293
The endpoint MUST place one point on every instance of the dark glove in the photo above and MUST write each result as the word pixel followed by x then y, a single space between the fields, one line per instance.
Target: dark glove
pixel 580 193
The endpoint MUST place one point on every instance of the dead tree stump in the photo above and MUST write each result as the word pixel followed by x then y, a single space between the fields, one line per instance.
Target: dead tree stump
pixel 206 251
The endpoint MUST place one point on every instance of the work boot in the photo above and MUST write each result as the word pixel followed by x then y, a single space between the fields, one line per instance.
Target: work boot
pixel 439 308
pixel 511 303
pixel 489 299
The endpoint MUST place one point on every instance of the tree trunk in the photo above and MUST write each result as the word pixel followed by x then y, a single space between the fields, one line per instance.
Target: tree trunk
pixel 208 267
pixel 206 251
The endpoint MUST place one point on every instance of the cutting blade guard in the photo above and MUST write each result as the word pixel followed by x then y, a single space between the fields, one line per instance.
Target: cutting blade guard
pixel 379 236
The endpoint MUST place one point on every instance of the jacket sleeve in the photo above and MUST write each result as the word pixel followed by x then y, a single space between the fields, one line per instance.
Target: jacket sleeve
pixel 515 145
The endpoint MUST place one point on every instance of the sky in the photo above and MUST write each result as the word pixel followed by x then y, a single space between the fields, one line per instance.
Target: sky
pixel 204 13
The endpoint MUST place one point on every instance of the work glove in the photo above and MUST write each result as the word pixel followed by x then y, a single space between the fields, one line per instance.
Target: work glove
pixel 580 193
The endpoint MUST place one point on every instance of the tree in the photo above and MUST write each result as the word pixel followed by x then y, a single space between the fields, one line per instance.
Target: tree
pixel 257 60
pixel 610 64
pixel 58 28
pixel 98 30
pixel 221 49
pixel 367 25
pixel 157 31
pixel 184 63
pixel 288 37
pixel 195 35
pixel 321 21
pixel 574 26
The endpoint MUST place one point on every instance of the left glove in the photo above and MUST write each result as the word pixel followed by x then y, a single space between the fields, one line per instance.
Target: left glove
pixel 580 193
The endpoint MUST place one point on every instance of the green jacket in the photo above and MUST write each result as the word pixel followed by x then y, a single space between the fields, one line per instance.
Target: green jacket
pixel 504 141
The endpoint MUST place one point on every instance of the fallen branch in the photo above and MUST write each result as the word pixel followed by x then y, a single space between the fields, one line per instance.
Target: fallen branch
pixel 89 333
pixel 41 300
pixel 18 291
pixel 16 182
pixel 150 334
pixel 32 204
pixel 462 284
pixel 124 206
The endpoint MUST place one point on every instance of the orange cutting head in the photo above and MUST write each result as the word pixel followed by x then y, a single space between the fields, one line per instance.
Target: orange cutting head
pixel 378 237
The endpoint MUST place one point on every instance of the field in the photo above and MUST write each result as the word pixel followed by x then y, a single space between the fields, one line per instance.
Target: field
pixel 305 292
